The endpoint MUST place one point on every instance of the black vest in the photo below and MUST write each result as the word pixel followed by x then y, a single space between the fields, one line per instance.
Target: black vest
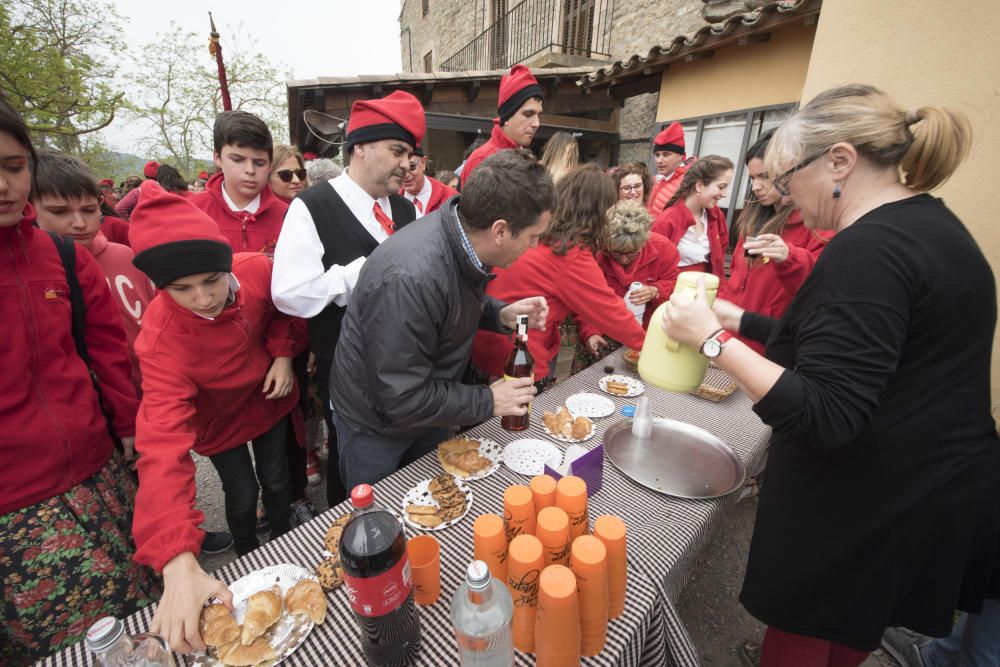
pixel 344 239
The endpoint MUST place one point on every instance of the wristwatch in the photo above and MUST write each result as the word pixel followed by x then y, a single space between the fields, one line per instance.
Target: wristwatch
pixel 712 347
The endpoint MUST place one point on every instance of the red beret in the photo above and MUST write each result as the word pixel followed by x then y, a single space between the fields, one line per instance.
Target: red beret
pixel 670 139
pixel 396 116
pixel 309 156
pixel 516 88
pixel 203 175
pixel 106 183
pixel 173 238
pixel 151 169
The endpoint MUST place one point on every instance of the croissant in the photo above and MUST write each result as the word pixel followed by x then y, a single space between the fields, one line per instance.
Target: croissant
pixel 218 627
pixel 238 655
pixel 263 610
pixel 306 597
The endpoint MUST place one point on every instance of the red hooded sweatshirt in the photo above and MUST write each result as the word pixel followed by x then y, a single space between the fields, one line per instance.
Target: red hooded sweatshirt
pixel 115 229
pixel 572 284
pixel 674 222
pixel 245 231
pixel 131 288
pixel 769 288
pixel 54 433
pixel 498 142
pixel 202 383
pixel 655 265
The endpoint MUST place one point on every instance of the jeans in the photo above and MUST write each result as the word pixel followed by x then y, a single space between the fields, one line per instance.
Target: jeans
pixel 973 642
pixel 366 458
pixel 239 483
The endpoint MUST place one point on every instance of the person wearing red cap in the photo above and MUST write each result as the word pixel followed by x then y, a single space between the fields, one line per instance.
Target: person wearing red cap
pixel 108 195
pixel 668 151
pixel 232 387
pixel 123 209
pixel 332 227
pixel 237 196
pixel 519 111
pixel 426 193
pixel 65 493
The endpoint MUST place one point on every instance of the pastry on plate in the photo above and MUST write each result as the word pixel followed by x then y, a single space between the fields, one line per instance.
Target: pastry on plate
pixel 617 388
pixel 263 611
pixel 330 573
pixel 426 520
pixel 426 510
pixel 333 533
pixel 581 428
pixel 218 627
pixel 306 597
pixel 240 655
pixel 442 482
pixel 460 456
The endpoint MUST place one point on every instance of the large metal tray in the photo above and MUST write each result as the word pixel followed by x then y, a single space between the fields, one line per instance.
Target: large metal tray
pixel 678 459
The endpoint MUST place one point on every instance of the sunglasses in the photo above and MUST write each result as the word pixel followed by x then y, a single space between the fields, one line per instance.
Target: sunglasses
pixel 286 174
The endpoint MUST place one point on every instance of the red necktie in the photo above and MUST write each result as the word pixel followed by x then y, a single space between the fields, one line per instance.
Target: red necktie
pixel 384 220
pixel 420 207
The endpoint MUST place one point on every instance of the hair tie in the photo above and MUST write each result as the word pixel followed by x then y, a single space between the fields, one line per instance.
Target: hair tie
pixel 913 116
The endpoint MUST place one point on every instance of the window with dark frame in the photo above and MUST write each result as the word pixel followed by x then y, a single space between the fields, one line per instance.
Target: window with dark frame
pixel 429 61
pixel 425 7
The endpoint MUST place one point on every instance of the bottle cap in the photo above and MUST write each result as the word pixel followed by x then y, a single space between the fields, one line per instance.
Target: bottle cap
pixel 478 574
pixel 628 411
pixel 104 632
pixel 362 496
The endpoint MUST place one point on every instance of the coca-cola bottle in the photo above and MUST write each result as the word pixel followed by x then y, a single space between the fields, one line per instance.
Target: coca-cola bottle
pixel 377 580
pixel 519 365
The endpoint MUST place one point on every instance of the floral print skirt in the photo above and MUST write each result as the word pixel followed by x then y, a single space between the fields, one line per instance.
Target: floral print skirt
pixel 66 562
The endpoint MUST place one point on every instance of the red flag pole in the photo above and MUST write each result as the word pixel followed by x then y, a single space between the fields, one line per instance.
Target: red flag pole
pixel 215 48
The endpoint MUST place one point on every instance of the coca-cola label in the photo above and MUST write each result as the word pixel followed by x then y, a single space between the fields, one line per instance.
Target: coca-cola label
pixel 381 594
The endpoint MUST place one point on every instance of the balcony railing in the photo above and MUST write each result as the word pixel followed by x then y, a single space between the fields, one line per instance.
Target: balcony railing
pixel 571 27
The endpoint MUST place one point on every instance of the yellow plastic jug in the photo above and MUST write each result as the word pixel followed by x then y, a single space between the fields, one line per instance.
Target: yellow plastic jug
pixel 665 362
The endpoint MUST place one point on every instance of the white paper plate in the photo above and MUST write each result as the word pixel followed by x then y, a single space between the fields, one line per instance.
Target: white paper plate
pixel 291 629
pixel 586 404
pixel 529 456
pixel 488 449
pixel 635 388
pixel 421 495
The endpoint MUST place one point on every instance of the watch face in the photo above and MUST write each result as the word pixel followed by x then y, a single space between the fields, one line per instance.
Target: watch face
pixel 712 348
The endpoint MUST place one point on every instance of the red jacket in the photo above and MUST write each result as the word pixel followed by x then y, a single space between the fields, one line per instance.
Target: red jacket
pixel 131 288
pixel 246 232
pixel 655 265
pixel 665 188
pixel 674 222
pixel 440 193
pixel 769 288
pixel 115 229
pixel 202 383
pixel 54 433
pixel 498 142
pixel 573 285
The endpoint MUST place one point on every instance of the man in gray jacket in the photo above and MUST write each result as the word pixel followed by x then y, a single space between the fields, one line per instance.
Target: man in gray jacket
pixel 407 335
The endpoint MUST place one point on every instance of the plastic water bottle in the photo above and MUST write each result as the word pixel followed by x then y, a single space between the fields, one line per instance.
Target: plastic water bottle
pixel 637 310
pixel 113 647
pixel 481 611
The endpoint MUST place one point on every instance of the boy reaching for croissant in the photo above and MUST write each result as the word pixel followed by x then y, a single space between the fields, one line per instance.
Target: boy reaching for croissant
pixel 216 362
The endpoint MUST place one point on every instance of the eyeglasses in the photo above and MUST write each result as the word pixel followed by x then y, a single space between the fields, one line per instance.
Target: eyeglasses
pixel 286 174
pixel 781 182
pixel 631 188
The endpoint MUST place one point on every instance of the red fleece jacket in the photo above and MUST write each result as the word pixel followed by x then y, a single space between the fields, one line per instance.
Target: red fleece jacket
pixel 674 222
pixel 572 284
pixel 498 142
pixel 246 232
pixel 54 433
pixel 202 383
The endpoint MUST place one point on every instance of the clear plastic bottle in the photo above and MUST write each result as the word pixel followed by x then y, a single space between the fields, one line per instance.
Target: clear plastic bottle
pixel 113 647
pixel 481 612
pixel 637 310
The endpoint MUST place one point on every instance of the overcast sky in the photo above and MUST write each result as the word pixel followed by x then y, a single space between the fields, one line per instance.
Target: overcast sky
pixel 308 37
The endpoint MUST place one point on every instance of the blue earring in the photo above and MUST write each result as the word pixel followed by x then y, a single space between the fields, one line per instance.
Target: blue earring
pixel 836 190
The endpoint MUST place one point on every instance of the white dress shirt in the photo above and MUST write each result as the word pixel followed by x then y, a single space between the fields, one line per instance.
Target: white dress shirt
pixel 424 197
pixel 299 285
pixel 250 208
pixel 693 248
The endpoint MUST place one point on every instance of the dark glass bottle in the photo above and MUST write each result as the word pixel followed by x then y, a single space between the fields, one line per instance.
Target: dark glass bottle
pixel 519 365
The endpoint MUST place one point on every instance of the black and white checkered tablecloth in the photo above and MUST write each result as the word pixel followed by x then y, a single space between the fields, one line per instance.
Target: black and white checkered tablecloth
pixel 665 536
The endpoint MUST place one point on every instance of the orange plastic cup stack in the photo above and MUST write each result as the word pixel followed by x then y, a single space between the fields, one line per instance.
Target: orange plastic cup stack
pixel 557 628
pixel 518 511
pixel 524 568
pixel 543 489
pixel 610 530
pixel 552 530
pixel 489 542
pixel 589 564
pixel 571 497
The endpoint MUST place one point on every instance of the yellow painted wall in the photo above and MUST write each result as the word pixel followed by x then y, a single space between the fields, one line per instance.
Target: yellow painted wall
pixel 927 52
pixel 738 77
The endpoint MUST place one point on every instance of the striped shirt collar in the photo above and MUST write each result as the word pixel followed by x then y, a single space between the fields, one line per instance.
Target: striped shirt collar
pixel 468 246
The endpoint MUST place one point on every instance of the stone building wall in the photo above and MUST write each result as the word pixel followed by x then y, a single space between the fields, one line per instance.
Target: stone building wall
pixel 448 26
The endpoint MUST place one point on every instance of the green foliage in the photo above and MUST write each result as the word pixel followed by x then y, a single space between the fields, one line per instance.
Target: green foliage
pixel 57 67
pixel 175 89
